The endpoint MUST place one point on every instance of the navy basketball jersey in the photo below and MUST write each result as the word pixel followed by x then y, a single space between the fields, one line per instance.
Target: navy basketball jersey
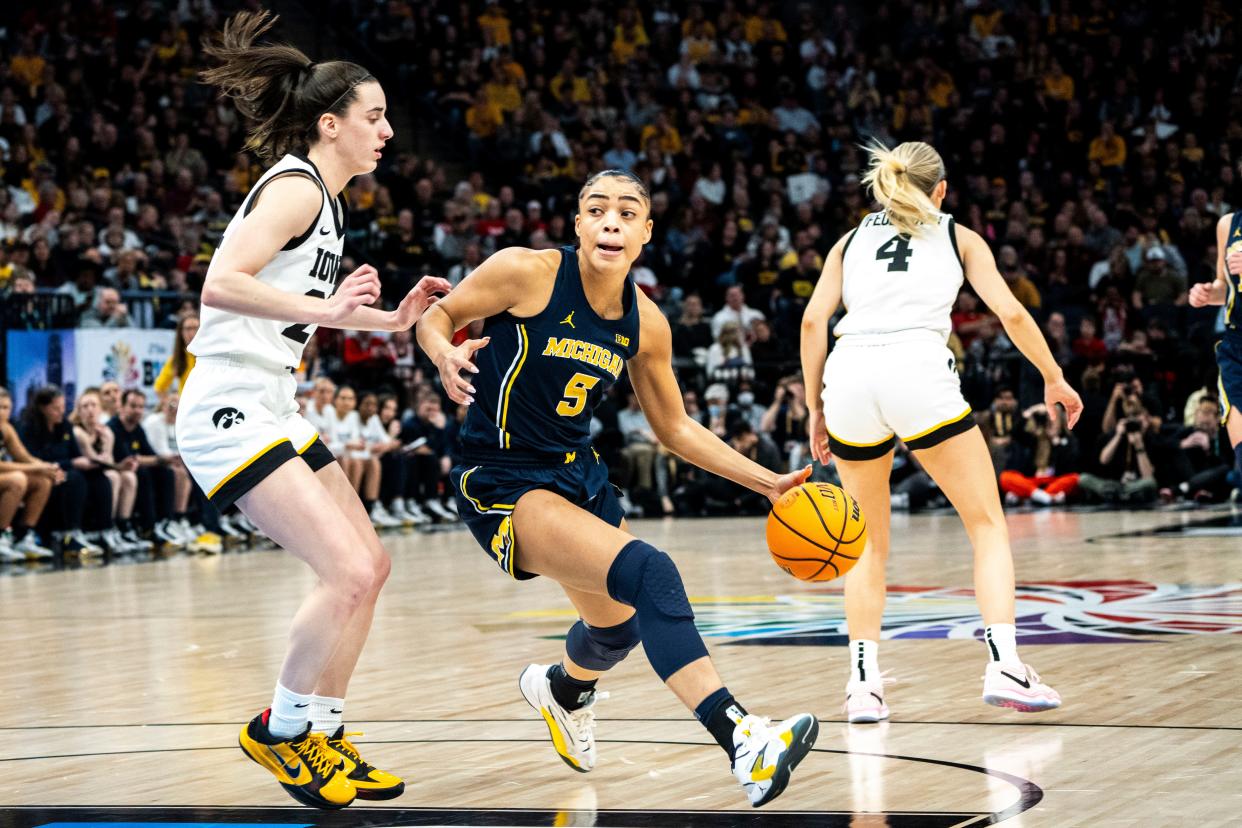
pixel 541 377
pixel 1233 244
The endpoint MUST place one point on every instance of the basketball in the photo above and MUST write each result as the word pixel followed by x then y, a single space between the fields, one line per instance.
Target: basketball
pixel 816 532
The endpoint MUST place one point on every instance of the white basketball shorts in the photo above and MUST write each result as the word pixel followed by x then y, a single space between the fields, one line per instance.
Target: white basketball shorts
pixel 876 391
pixel 237 423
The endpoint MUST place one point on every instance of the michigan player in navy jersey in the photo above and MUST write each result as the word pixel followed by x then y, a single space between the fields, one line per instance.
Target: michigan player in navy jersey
pixel 272 280
pixel 561 326
pixel 1224 291
pixel 891 376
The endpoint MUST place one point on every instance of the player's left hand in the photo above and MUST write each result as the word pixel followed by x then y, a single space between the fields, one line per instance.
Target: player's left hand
pixel 1059 391
pixel 787 481
pixel 420 297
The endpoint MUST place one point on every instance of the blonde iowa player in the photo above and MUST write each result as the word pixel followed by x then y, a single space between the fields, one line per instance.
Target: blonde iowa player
pixel 891 375
pixel 273 279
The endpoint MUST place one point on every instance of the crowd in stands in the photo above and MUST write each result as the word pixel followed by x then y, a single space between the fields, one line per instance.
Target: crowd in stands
pixel 1094 145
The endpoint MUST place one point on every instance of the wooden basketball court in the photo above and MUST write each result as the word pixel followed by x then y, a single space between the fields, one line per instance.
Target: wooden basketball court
pixel 126 685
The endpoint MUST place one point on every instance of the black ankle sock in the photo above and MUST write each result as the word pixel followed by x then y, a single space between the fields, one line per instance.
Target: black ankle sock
pixel 19 531
pixel 720 713
pixel 569 692
pixel 368 505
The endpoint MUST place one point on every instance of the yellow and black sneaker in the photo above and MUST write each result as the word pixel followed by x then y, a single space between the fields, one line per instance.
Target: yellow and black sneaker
pixel 369 781
pixel 306 767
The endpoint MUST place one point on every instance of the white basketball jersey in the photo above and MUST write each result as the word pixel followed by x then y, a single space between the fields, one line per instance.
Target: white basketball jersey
pixel 893 285
pixel 306 265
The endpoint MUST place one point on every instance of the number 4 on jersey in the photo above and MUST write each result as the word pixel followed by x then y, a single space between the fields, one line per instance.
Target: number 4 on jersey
pixel 898 249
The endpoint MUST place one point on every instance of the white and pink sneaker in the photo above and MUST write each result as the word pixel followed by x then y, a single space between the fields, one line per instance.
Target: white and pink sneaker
pixel 864 701
pixel 1018 687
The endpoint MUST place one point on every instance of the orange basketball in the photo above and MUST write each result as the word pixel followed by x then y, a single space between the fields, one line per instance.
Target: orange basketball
pixel 816 532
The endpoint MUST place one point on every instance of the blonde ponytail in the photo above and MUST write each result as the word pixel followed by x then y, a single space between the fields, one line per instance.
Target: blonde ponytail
pixel 902 180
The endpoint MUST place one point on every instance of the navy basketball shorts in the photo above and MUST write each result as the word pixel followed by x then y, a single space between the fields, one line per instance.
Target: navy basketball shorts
pixel 488 490
pixel 1229 382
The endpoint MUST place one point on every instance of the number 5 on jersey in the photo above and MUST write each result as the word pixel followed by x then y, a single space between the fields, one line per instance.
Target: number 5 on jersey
pixel 576 394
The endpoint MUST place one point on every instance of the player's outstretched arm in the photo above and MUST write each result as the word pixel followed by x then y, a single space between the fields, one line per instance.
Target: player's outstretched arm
pixel 651 373
pixel 814 345
pixel 983 276
pixel 507 281
pixel 288 206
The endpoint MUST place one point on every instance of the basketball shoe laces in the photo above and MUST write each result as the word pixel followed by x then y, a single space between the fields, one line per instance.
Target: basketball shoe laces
pixel 347 747
pixel 315 752
pixel 583 719
pixel 885 681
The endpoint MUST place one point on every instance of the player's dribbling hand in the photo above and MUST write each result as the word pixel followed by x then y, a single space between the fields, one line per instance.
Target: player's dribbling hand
pixel 1207 293
pixel 788 481
pixel 362 287
pixel 420 297
pixel 453 363
pixel 817 432
pixel 1059 391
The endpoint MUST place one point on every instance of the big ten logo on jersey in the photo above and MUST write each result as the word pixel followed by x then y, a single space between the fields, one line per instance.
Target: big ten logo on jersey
pixel 587 352
pixel 326 266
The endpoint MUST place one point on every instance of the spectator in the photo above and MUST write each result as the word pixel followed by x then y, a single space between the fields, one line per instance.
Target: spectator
pixel 109 311
pixel 1127 475
pixel 154 480
pixel 735 310
pixel 729 360
pixel 160 428
pixel 432 461
pixel 113 483
pixel 176 369
pixel 394 463
pixel 692 336
pixel 347 445
pixel 25 486
pixel 376 443
pixel 1045 471
pixel 1202 458
pixel 48 437
pixel 319 409
pixel 646 469
pixel 785 421
pixel 717 399
pixel 1156 283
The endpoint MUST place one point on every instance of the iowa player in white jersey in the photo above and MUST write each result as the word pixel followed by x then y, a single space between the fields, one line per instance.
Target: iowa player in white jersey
pixel 272 281
pixel 890 376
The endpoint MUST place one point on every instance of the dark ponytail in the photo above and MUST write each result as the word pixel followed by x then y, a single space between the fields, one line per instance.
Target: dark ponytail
pixel 276 87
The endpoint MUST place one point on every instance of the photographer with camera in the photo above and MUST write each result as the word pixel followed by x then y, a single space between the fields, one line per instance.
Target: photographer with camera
pixel 1202 457
pixel 1127 475
pixel 1044 464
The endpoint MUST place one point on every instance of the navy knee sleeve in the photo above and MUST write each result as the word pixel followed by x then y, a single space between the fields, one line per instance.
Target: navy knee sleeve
pixel 646 579
pixel 601 648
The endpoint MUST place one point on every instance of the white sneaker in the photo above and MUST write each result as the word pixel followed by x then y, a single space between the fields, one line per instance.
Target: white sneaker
pixel 864 701
pixel 228 530
pixel 380 518
pixel 438 509
pixel 112 540
pixel 416 512
pixel 31 545
pixel 397 509
pixel 83 543
pixel 572 731
pixel 166 532
pixel 206 542
pixel 1018 687
pixel 764 755
pixel 139 543
pixel 451 505
pixel 243 523
pixel 7 553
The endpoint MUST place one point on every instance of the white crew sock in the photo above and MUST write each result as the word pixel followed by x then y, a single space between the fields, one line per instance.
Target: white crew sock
pixel 864 660
pixel 290 713
pixel 325 714
pixel 1002 641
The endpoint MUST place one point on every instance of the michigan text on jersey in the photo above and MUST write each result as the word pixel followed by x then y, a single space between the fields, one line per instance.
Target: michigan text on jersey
pixel 587 352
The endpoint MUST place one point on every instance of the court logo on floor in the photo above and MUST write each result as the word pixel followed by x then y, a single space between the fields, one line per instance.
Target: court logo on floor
pixel 1051 612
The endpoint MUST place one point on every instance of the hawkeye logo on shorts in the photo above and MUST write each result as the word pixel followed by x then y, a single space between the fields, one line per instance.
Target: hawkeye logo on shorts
pixel 226 418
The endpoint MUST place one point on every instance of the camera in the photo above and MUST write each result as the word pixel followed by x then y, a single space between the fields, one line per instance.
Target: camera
pixel 1133 425
pixel 1040 418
